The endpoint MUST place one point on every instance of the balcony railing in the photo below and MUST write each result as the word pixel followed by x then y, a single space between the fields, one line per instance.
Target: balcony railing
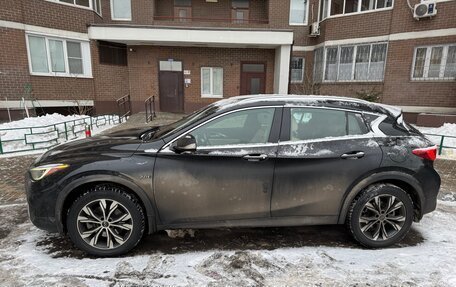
pixel 208 19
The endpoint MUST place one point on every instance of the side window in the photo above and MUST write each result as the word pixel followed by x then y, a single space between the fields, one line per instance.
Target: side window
pixel 243 127
pixel 311 123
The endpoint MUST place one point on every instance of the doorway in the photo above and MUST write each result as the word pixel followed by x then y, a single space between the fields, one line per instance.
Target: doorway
pixel 253 78
pixel 171 87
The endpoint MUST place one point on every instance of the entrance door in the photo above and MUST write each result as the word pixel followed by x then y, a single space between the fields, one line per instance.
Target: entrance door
pixel 253 78
pixel 171 87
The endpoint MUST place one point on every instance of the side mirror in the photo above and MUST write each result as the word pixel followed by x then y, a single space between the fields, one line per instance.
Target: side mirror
pixel 186 143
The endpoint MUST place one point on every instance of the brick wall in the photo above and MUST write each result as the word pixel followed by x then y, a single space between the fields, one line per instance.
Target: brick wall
pixel 14 71
pixel 143 70
pixel 401 90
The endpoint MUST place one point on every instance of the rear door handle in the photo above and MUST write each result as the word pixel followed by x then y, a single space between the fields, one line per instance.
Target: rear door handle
pixel 353 155
pixel 255 157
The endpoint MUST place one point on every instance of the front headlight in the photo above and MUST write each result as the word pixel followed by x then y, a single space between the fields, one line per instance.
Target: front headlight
pixel 40 172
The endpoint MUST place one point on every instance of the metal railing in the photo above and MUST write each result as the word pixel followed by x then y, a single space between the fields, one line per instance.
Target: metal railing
pixel 124 107
pixel 44 137
pixel 209 19
pixel 150 108
pixel 441 144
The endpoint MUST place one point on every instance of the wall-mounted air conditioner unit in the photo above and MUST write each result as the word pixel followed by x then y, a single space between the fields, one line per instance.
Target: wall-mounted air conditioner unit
pixel 424 9
pixel 314 29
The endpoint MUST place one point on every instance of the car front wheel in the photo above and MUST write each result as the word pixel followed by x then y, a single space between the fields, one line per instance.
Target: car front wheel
pixel 105 221
pixel 380 216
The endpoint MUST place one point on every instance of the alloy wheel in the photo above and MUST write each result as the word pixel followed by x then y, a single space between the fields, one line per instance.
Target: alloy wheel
pixel 104 224
pixel 382 217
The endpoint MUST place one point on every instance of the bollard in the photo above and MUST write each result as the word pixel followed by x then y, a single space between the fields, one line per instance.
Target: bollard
pixel 88 132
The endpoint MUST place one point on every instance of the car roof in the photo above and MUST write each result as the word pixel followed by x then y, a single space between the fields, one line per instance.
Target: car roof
pixel 308 100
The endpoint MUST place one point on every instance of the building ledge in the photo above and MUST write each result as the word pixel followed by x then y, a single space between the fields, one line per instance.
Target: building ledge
pixel 191 36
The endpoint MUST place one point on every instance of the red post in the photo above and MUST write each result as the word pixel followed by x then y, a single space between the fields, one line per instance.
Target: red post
pixel 88 132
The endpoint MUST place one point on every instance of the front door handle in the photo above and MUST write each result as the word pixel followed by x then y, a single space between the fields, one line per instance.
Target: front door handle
pixel 353 155
pixel 255 157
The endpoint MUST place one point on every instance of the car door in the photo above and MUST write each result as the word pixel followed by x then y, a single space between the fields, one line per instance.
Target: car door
pixel 229 177
pixel 322 152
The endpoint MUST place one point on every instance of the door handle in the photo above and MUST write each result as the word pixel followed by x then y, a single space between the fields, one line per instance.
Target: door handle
pixel 353 155
pixel 255 157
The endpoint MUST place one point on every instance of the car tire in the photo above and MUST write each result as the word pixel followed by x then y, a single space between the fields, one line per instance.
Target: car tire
pixel 105 221
pixel 380 216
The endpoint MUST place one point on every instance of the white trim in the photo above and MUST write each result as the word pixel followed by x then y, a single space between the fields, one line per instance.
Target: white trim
pixel 178 36
pixel 391 37
pixel 119 19
pixel 45 31
pixel 282 69
pixel 45 103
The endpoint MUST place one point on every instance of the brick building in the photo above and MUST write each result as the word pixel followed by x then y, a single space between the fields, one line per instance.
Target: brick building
pixel 57 54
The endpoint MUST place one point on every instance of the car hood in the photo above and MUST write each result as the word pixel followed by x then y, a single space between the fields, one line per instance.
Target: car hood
pixel 122 143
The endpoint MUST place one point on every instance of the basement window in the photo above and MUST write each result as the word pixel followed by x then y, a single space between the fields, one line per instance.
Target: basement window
pixel 297 69
pixel 434 63
pixel 49 56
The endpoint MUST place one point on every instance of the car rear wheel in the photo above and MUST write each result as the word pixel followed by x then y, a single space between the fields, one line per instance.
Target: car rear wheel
pixel 106 221
pixel 380 216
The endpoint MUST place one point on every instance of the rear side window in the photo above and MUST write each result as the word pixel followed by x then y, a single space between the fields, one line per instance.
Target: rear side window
pixel 311 123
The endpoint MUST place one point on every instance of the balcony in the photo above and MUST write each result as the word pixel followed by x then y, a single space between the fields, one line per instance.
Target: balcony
pixel 221 13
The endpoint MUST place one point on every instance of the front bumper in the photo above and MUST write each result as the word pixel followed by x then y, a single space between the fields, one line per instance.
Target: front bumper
pixel 41 199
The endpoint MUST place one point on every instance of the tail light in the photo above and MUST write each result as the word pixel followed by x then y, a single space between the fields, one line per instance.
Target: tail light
pixel 429 153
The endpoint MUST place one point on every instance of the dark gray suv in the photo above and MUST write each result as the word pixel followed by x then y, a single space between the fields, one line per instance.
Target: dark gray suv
pixel 265 160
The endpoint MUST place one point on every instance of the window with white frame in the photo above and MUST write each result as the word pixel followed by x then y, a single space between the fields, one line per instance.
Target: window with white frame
pixel 363 62
pixel 434 63
pixel 91 4
pixel 345 7
pixel 121 10
pixel 58 57
pixel 211 82
pixel 297 69
pixel 298 12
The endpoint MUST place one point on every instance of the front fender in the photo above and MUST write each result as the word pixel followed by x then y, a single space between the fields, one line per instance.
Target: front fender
pixel 105 178
pixel 380 176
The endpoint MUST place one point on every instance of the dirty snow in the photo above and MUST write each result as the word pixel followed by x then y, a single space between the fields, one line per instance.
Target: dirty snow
pixel 30 257
pixel 39 129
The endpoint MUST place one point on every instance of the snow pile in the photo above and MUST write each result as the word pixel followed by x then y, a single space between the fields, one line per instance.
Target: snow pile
pixel 447 130
pixel 42 132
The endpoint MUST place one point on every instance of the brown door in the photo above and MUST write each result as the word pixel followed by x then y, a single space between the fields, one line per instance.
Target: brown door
pixel 253 78
pixel 171 92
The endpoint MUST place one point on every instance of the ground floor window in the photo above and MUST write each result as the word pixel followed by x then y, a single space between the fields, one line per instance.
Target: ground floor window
pixel 211 82
pixel 362 62
pixel 58 57
pixel 297 69
pixel 434 63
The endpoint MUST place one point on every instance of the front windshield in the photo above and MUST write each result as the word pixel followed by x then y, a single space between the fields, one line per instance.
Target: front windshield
pixel 166 130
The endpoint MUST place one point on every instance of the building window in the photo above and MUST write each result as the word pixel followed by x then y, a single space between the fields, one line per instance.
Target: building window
pixel 298 12
pixel 345 7
pixel 182 10
pixel 297 70
pixel 364 62
pixel 211 82
pixel 121 10
pixel 58 57
pixel 240 11
pixel 91 4
pixel 435 63
pixel 112 54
